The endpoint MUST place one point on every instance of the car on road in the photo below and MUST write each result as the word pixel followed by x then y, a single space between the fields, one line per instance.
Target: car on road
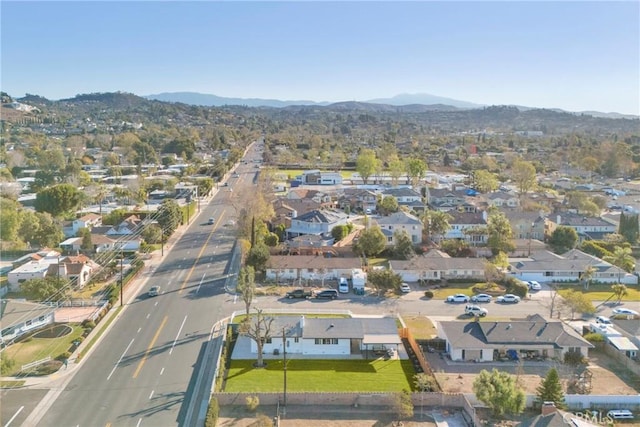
pixel 457 298
pixel 211 221
pixel 625 311
pixel 343 285
pixel 534 286
pixel 481 298
pixel 299 293
pixel 405 288
pixel 603 320
pixel 154 291
pixel 508 298
pixel 327 293
pixel 474 310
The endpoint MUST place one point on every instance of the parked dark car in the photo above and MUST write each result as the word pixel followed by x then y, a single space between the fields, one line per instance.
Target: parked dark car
pixel 327 293
pixel 299 293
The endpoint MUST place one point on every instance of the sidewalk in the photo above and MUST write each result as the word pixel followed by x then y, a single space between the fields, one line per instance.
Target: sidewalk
pixel 130 292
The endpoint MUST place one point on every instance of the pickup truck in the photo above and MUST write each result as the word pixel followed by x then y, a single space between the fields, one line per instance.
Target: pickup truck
pixel 299 293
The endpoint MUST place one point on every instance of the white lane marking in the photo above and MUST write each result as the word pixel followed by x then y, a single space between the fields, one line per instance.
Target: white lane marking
pixel 201 280
pixel 155 304
pixel 139 329
pixel 151 395
pixel 120 360
pixel 235 298
pixel 178 334
pixel 139 421
pixel 148 314
pixel 161 371
pixel 14 416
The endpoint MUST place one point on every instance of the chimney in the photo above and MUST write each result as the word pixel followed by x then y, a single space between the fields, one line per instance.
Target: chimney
pixel 301 322
pixel 548 408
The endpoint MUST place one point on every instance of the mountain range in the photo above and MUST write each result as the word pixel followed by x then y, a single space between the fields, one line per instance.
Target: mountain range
pixel 419 101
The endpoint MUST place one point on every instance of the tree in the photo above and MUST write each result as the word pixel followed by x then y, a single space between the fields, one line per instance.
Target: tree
pixel 523 174
pixel 387 205
pixel 384 279
pixel 47 289
pixel 550 390
pixel 258 256
pixel 500 233
pixel 416 169
pixel 9 220
pixel 58 200
pixel 629 227
pixel 622 259
pixel 485 181
pixel 367 164
pixel 578 302
pixel 271 240
pixel 403 248
pixel 563 239
pixel 619 291
pixel 169 217
pixel 339 232
pixel 371 242
pixel 403 405
pixel 499 391
pixel 396 169
pixel 87 245
pixel 247 286
pixel 152 234
pixel 258 328
pixel 425 382
pixel 437 223
pixel 587 275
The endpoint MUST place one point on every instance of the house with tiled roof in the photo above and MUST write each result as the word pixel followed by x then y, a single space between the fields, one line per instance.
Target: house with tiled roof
pixel 304 193
pixel 436 265
pixel 587 227
pixel 400 221
pixel 285 209
pixel 533 338
pixel 90 220
pixel 319 221
pixel 468 226
pixel 545 266
pixel 309 267
pixel 37 268
pixel 357 200
pixel 502 200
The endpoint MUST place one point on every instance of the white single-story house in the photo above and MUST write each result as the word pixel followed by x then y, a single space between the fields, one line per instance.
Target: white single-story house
pixel 437 265
pixel 545 266
pixel 532 338
pixel 329 336
pixel 309 267
pixel 19 317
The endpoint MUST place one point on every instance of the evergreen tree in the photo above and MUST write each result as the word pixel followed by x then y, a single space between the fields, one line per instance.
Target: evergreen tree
pixel 550 390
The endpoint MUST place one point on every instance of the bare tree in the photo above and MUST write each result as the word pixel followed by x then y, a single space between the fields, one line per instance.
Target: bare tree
pixel 247 286
pixel 258 328
pixel 552 302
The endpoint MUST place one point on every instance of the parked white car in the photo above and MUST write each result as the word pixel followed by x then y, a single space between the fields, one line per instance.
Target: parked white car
pixel 534 286
pixel 405 288
pixel 474 310
pixel 458 298
pixel 625 311
pixel 481 298
pixel 508 298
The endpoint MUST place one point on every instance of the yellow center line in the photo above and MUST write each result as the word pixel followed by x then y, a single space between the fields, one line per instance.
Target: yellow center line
pixel 146 353
pixel 108 425
pixel 195 262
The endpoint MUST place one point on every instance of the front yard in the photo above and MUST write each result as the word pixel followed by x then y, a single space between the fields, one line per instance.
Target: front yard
pixel 312 375
pixel 602 292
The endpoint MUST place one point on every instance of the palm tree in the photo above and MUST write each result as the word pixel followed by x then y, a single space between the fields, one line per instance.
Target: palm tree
pixel 587 275
pixel 622 259
pixel 619 291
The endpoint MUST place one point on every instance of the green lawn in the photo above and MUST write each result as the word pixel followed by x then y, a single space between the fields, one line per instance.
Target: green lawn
pixel 33 349
pixel 310 375
pixel 421 327
pixel 452 289
pixel 602 292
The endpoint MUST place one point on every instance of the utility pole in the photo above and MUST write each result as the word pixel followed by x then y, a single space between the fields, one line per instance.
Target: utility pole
pixel 121 278
pixel 284 366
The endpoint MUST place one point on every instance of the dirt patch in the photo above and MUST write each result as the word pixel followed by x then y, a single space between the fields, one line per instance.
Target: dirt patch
pixel 56 331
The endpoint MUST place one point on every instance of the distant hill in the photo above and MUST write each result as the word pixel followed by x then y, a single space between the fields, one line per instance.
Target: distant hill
pixel 195 98
pixel 423 99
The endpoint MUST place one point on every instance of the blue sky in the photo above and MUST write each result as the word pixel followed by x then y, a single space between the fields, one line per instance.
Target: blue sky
pixel 572 55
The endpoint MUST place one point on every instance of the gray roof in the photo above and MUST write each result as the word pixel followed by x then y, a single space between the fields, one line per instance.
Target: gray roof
pixel 323 216
pixel 467 218
pixel 17 312
pixel 575 220
pixel 399 218
pixel 433 263
pixel 401 192
pixel 284 262
pixel 534 330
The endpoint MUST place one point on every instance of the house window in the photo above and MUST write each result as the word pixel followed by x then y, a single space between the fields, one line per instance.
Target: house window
pixel 268 340
pixel 326 341
pixel 296 340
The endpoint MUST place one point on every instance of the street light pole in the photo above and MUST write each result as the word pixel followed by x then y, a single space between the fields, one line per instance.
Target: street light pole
pixel 284 369
pixel 121 278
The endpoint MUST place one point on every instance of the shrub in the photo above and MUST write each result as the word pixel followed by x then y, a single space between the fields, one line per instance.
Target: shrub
pixel 428 294
pixel 63 356
pixel 252 403
pixel 6 364
pixel 212 413
pixel 88 324
pixel 593 337
pixel 573 358
pixel 515 286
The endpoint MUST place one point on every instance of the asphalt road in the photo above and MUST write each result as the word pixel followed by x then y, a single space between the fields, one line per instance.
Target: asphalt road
pixel 147 366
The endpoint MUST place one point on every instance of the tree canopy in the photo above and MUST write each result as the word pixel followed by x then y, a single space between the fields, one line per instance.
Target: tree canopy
pixel 371 241
pixel 58 200
pixel 550 390
pixel 499 391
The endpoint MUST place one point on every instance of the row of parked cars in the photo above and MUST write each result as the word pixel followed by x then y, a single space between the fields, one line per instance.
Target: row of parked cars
pixel 507 298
